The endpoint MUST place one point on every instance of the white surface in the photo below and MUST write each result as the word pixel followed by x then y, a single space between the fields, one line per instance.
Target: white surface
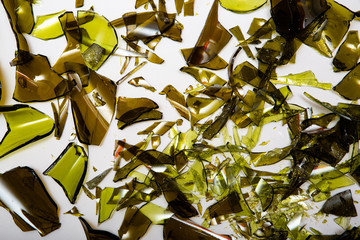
pixel 41 154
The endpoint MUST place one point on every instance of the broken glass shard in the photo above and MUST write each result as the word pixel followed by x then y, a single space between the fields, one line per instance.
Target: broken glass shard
pixel 69 170
pixel 341 204
pixel 94 234
pixel 48 26
pixel 348 54
pixel 135 224
pixel 242 5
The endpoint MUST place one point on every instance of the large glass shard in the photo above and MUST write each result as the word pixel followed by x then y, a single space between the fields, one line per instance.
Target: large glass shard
pixel 94 234
pixel 23 194
pixel 348 54
pixel 109 199
pixel 294 18
pixel 349 85
pixel 212 40
pixel 341 204
pixel 130 110
pixel 25 125
pixel 155 213
pixel 242 5
pixel 135 224
pixel 69 170
pixel 92 120
pixel 98 38
pixel 176 229
pixel 36 81
pixel 48 26
pixel 301 79
pixel 230 204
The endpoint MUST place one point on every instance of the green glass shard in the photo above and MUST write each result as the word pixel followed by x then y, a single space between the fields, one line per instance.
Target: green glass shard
pixel 204 77
pixel 60 116
pixel 109 199
pixel 129 110
pixel 124 171
pixel 91 184
pixel 150 56
pixel 69 170
pixel 270 157
pixel 242 5
pixel 202 107
pixel 256 24
pixel 265 193
pixel 158 128
pixel 343 222
pixel 93 121
pixel 79 3
pixel 36 81
pixel 25 197
pixel 322 120
pixel 340 204
pixel 236 31
pixel 212 40
pixel 230 204
pixel 348 54
pixel 48 26
pixel 94 234
pixel 135 224
pixel 75 212
pixel 155 213
pixel 301 79
pixel 25 125
pixel 349 85
pixel 179 5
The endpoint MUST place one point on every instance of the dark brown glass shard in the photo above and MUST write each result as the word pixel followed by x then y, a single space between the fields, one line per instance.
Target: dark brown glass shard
pixel 294 18
pixel 129 110
pixel 230 204
pixel 94 234
pixel 176 229
pixel 348 54
pixel 341 204
pixel 212 40
pixel 135 224
pixel 25 197
pixel 178 203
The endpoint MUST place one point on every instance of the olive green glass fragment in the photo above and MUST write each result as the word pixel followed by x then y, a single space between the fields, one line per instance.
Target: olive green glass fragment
pixel 301 79
pixel 130 109
pixel 242 5
pixel 341 204
pixel 155 213
pixel 75 212
pixel 322 121
pixel 348 54
pixel 25 125
pixel 230 204
pixel 158 128
pixel 94 234
pixel 151 115
pixel 179 5
pixel 25 197
pixel 134 225
pixel 194 179
pixel 124 171
pixel 343 222
pixel 331 29
pixel 36 81
pixel 270 157
pixel 131 72
pixel 236 31
pixel 349 85
pixel 215 64
pixel 178 203
pixel 150 56
pixel 212 40
pixel 204 77
pixel 60 116
pixel 141 82
pixel 255 25
pixel 202 107
pixel 177 229
pixel 48 26
pixel 265 193
pixel 69 170
pixel 91 184
pixel 91 120
pixel 109 199
pixel 96 31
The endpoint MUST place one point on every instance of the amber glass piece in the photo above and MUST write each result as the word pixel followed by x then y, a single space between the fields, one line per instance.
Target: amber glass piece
pixel 135 224
pixel 25 125
pixel 242 5
pixel 256 24
pixel 36 81
pixel 94 234
pixel 177 229
pixel 153 157
pixel 75 212
pixel 236 31
pixel 230 204
pixel 150 56
pixel 212 40
pixel 177 100
pixel 349 85
pixel 25 197
pixel 79 3
pixel 130 109
pixel 341 204
pixel 179 5
pixel 60 116
pixel 293 18
pixel 91 120
pixel 348 54
pixel 141 82
pixel 48 26
pixel 69 170
pixel 189 8
pixel 178 203
pixel 158 128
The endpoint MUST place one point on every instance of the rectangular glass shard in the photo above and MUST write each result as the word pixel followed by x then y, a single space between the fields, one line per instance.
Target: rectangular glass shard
pixel 348 54
pixel 23 194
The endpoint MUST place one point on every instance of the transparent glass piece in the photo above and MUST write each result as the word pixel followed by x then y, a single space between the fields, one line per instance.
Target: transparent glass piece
pixel 141 82
pixel 348 54
pixel 242 5
pixel 155 213
pixel 25 125
pixel 134 225
pixel 23 194
pixel 109 199
pixel 236 31
pixel 69 170
pixel 301 79
pixel 48 26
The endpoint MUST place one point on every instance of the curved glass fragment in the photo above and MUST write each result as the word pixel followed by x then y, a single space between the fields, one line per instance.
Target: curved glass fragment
pixel 48 26
pixel 348 54
pixel 109 199
pixel 23 194
pixel 69 170
pixel 135 224
pixel 242 5
pixel 349 86
pixel 93 234
pixel 341 204
pixel 25 125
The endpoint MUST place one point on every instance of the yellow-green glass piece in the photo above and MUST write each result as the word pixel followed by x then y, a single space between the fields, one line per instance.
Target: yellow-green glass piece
pixel 69 170
pixel 48 26
pixel 109 199
pixel 155 213
pixel 349 86
pixel 306 78
pixel 242 5
pixel 348 54
pixel 96 31
pixel 25 125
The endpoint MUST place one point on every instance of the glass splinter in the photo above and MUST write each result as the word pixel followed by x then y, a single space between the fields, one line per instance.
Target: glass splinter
pixel 23 194
pixel 69 170
pixel 94 234
pixel 25 125
pixel 91 184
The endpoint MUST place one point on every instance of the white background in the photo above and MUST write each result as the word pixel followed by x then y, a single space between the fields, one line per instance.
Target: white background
pixel 41 154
